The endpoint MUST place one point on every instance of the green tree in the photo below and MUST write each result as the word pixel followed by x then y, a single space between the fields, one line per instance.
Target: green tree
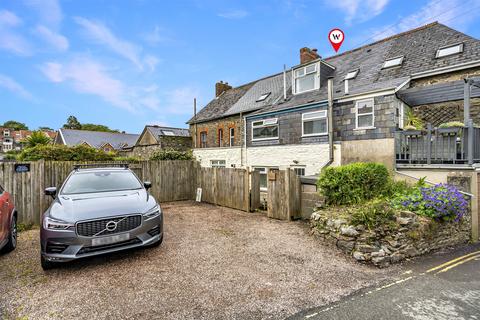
pixel 15 125
pixel 72 123
pixel 96 127
pixel 45 129
pixel 36 138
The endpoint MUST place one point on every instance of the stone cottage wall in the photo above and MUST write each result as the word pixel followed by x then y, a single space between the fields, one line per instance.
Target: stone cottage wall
pixel 409 236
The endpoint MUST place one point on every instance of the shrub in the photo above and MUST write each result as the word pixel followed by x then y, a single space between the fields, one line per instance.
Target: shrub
pixel 441 202
pixel 353 183
pixel 64 153
pixel 36 138
pixel 372 214
pixel 452 124
pixel 171 154
pixel 128 159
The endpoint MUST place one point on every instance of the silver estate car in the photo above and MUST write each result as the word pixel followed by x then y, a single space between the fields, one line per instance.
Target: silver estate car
pixel 97 211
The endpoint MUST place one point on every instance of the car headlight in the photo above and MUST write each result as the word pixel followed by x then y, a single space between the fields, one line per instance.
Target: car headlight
pixel 155 211
pixel 54 224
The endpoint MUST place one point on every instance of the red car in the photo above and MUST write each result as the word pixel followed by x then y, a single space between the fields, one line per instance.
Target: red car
pixel 8 222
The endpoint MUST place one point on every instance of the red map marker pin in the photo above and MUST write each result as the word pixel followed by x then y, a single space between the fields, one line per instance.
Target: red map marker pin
pixel 336 37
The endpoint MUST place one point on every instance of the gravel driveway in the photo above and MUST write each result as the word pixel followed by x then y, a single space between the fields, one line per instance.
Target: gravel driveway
pixel 214 263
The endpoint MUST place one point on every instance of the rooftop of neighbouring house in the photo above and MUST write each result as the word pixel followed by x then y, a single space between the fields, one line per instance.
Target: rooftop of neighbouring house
pixel 97 139
pixel 418 47
pixel 158 131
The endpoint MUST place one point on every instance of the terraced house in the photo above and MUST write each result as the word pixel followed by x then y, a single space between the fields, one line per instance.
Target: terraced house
pixel 345 108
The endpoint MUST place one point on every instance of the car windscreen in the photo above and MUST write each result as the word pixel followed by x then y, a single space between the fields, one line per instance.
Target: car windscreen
pixel 101 181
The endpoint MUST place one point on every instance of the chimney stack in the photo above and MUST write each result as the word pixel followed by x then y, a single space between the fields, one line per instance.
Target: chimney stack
pixel 221 87
pixel 307 55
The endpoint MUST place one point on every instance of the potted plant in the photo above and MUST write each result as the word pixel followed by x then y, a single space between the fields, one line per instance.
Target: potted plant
pixel 451 128
pixel 413 124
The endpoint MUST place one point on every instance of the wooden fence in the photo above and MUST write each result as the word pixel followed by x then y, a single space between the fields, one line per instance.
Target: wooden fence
pixel 283 194
pixel 171 181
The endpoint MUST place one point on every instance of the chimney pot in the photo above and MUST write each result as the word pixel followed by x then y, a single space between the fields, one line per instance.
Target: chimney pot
pixel 307 55
pixel 221 87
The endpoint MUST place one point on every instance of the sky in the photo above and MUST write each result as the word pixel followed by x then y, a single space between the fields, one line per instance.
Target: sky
pixel 126 64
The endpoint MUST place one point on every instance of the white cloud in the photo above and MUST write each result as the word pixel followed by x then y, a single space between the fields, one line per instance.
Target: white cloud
pixel 90 77
pixel 10 39
pixel 49 11
pixel 156 36
pixel 85 75
pixel 9 19
pixel 359 10
pixel 104 36
pixel 13 86
pixel 451 12
pixel 58 41
pixel 151 62
pixel 233 14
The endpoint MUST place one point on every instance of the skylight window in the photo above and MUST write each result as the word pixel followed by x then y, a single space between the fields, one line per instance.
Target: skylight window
pixel 351 75
pixel 167 132
pixel 263 97
pixel 448 51
pixel 394 62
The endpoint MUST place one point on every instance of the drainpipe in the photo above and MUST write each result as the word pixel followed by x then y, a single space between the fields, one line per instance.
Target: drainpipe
pixel 466 102
pixel 330 119
pixel 284 82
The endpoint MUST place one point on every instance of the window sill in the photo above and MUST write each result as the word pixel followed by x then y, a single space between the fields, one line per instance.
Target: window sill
pixel 264 139
pixel 364 128
pixel 315 135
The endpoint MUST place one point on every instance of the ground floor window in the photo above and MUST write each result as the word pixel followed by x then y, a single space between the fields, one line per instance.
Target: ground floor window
pixel 299 171
pixel 217 163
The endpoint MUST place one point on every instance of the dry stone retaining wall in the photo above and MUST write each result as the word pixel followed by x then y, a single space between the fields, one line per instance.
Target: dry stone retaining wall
pixel 408 236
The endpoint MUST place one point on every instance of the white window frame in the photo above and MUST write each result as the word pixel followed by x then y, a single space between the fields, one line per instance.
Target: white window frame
pixel 6 133
pixel 319 117
pixel 266 123
pixel 439 54
pixel 397 64
pixel 231 139
pixel 220 137
pixel 316 84
pixel 294 168
pixel 363 114
pixel 218 163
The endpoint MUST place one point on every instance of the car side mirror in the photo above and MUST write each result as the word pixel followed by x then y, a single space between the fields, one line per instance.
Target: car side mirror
pixel 147 185
pixel 51 191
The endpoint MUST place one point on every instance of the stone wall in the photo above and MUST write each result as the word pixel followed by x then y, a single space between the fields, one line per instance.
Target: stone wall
pixel 231 155
pixel 384 122
pixel 289 129
pixel 166 142
pixel 409 236
pixel 212 130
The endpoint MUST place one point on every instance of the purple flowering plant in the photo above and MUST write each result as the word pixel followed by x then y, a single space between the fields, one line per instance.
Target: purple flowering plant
pixel 442 202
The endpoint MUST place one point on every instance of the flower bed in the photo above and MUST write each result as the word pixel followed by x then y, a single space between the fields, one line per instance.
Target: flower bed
pixel 395 222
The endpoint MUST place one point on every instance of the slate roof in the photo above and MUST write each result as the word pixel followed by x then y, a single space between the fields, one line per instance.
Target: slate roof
pixel 273 85
pixel 218 106
pixel 158 131
pixel 418 46
pixel 97 139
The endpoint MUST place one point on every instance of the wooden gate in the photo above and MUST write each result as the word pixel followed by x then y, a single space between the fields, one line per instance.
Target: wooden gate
pixel 283 194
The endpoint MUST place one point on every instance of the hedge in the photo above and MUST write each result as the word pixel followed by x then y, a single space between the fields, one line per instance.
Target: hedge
pixel 353 183
pixel 64 153
pixel 171 154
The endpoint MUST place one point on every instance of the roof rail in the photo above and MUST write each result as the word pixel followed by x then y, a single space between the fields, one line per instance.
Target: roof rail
pixel 101 165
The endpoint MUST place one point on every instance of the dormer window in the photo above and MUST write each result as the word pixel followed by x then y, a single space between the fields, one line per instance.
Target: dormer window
pixel 351 75
pixel 263 97
pixel 306 78
pixel 394 62
pixel 448 51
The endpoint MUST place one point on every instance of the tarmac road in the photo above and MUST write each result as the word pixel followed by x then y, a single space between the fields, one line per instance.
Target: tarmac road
pixel 445 285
